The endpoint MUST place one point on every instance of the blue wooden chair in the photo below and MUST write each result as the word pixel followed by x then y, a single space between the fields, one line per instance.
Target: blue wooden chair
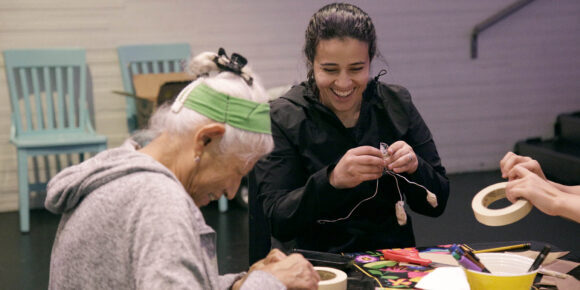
pixel 50 113
pixel 148 59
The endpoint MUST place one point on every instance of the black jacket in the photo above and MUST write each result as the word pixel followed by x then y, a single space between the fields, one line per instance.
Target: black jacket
pixel 310 140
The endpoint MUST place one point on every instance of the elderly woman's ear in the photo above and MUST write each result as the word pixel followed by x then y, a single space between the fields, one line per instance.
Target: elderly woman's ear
pixel 206 134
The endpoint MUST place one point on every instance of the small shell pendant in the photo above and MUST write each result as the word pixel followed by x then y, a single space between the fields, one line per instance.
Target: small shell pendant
pixel 431 199
pixel 400 212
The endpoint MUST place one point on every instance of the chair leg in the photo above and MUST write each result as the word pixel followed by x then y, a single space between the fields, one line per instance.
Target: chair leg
pixel 23 192
pixel 223 204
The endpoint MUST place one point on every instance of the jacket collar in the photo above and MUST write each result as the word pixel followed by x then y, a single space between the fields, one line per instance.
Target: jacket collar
pixel 377 95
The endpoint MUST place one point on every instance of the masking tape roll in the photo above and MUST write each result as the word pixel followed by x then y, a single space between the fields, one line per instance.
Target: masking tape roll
pixel 331 279
pixel 498 217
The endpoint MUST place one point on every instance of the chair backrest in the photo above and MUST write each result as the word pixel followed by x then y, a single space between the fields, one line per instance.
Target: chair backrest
pixel 47 90
pixel 146 59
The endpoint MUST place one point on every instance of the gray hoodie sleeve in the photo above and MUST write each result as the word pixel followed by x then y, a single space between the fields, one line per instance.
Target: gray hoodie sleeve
pixel 262 280
pixel 166 243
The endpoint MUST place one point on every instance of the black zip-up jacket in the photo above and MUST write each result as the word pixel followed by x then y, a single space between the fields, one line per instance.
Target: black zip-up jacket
pixel 310 140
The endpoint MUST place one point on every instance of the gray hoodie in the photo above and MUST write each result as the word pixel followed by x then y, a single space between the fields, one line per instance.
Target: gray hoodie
pixel 128 223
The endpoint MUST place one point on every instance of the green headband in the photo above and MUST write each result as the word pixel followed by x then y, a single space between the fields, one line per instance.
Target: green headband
pixel 237 112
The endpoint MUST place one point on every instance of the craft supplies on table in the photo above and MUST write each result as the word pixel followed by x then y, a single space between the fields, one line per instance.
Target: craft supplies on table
pixel 385 273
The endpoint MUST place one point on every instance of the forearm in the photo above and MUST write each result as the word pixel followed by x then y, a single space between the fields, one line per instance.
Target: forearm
pixel 290 211
pixel 430 174
pixel 258 280
pixel 568 206
pixel 575 189
pixel 435 182
pixel 232 281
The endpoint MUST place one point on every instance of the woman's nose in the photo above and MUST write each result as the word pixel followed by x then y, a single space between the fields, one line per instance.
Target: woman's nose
pixel 343 81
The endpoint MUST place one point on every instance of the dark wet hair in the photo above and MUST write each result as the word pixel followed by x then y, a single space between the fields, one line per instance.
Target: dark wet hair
pixel 337 20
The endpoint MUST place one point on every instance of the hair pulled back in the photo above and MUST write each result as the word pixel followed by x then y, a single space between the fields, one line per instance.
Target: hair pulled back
pixel 337 20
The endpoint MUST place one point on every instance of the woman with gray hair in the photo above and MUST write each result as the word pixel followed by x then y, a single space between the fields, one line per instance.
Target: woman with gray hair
pixel 130 216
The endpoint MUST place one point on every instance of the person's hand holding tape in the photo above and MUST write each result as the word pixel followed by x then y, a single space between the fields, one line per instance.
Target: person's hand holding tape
pixel 294 271
pixel 526 185
pixel 511 160
pixel 529 186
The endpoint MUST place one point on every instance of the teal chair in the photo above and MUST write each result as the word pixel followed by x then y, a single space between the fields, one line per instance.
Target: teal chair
pixel 49 112
pixel 148 59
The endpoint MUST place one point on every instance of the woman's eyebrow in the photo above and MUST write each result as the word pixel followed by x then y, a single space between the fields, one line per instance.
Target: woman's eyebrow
pixel 335 64
pixel 328 64
pixel 357 63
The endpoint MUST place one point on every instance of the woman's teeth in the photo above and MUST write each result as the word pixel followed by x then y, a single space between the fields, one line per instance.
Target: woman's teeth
pixel 342 93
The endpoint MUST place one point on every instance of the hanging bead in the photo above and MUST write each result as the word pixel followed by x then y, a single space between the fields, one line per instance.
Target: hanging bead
pixel 400 212
pixel 431 199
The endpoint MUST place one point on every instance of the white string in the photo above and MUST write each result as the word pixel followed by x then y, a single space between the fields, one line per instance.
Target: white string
pixel 396 182
pixel 408 181
pixel 383 147
pixel 392 173
pixel 350 213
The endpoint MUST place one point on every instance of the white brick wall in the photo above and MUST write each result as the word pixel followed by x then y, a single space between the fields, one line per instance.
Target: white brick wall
pixel 527 72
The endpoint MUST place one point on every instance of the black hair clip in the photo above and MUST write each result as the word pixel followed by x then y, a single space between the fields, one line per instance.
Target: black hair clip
pixel 233 64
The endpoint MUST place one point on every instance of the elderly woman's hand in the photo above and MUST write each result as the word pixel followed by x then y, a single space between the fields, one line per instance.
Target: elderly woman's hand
pixel 402 158
pixel 357 165
pixel 275 255
pixel 510 160
pixel 294 271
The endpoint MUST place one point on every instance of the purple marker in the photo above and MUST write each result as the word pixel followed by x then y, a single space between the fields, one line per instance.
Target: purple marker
pixel 467 264
pixel 463 260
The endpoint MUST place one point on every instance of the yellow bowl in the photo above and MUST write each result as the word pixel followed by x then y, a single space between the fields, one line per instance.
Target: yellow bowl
pixel 508 271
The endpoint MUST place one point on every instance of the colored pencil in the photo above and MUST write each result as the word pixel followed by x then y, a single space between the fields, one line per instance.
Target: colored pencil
pixel 505 248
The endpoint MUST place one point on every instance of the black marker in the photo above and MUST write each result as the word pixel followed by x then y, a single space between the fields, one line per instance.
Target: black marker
pixel 540 258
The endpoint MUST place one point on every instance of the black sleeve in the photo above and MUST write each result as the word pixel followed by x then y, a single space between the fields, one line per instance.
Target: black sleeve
pixel 291 198
pixel 430 172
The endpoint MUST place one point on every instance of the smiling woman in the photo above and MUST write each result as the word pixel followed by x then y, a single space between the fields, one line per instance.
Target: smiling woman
pixel 341 70
pixel 130 216
pixel 324 185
